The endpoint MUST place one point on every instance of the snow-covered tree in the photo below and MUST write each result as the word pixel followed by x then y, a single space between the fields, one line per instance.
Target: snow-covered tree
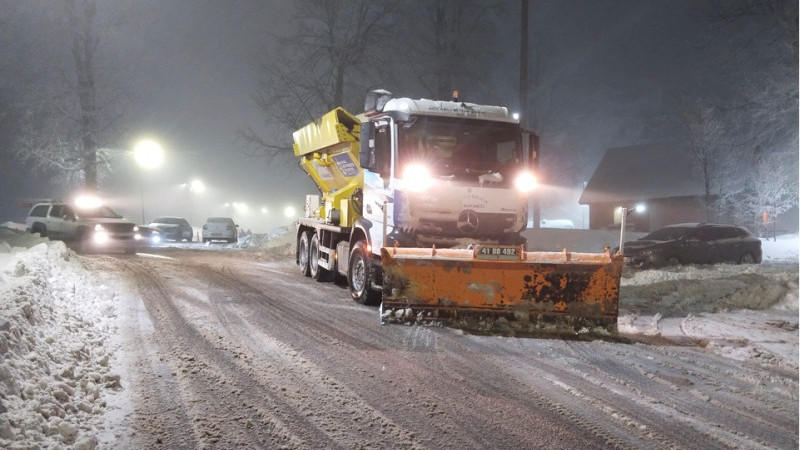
pixel 709 150
pixel 761 114
pixel 69 109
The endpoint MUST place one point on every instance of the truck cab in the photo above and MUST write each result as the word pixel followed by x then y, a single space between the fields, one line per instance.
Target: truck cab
pixel 412 174
pixel 449 173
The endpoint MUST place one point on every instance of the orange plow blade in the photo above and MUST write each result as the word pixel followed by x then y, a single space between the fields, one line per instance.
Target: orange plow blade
pixel 502 290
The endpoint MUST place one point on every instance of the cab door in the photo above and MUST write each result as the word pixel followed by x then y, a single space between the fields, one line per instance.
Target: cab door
pixel 376 161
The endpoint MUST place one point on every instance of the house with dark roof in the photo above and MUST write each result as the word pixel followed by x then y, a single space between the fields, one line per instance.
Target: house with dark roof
pixel 660 177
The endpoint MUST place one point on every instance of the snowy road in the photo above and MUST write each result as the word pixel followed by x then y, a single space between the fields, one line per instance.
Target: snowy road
pixel 231 349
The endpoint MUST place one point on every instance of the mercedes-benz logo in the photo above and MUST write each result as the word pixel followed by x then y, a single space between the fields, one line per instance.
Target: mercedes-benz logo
pixel 467 221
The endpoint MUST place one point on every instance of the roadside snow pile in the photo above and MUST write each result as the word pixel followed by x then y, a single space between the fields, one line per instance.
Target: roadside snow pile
pixel 781 248
pixel 739 311
pixel 55 325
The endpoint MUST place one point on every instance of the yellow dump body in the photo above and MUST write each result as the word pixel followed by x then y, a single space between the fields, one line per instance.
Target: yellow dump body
pixel 503 290
pixel 328 152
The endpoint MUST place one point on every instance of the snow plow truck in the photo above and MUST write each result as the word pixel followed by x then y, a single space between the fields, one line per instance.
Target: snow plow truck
pixel 421 207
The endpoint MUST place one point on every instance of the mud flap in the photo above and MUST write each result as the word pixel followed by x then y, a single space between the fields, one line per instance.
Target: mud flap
pixel 503 290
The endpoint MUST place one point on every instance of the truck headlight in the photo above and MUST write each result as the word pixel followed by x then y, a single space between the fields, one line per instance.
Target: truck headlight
pixel 525 182
pixel 416 178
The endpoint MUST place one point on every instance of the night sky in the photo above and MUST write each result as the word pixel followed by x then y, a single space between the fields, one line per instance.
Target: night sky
pixel 190 68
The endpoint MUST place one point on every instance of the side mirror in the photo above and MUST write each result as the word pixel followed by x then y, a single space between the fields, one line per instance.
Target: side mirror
pixel 366 156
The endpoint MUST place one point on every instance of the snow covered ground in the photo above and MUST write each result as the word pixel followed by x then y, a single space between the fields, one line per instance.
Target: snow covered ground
pixel 58 324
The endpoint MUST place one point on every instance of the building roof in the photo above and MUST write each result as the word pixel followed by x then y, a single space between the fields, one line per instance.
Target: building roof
pixel 642 172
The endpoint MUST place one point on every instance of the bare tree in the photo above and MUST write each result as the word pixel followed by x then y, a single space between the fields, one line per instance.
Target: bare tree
pixel 448 45
pixel 69 110
pixel 341 49
pixel 330 60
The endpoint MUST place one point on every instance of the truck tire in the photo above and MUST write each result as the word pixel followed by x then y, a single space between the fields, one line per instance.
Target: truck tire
pixel 359 276
pixel 318 273
pixel 302 253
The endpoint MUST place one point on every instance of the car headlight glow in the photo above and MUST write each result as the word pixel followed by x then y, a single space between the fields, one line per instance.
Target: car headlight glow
pixel 100 235
pixel 416 178
pixel 525 182
pixel 87 202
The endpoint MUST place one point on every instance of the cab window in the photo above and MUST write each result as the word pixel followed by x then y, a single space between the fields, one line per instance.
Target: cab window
pixel 383 148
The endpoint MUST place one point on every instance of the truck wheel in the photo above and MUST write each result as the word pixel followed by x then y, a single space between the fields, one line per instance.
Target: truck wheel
pixel 302 253
pixel 359 276
pixel 318 273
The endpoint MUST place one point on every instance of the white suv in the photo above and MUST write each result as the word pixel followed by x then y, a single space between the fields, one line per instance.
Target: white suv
pixel 91 227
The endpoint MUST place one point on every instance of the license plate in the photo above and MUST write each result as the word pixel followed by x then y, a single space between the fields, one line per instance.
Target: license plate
pixel 497 252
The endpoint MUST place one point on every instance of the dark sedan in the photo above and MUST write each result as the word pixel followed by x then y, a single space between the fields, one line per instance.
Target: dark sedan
pixel 694 243
pixel 172 228
pixel 148 236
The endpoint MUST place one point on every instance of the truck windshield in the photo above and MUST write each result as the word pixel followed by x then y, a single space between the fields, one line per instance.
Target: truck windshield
pixel 450 146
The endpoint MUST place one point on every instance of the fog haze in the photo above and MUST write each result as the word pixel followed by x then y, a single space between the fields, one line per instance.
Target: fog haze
pixel 613 71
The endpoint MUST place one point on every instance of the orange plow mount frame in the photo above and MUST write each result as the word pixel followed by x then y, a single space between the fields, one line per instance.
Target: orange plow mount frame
pixel 503 290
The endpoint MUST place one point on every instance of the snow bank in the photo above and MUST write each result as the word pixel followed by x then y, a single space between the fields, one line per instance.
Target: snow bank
pixel 741 312
pixel 781 248
pixel 55 325
pixel 57 321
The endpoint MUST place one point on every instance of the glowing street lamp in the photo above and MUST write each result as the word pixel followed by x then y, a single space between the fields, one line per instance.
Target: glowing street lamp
pixel 194 187
pixel 148 155
pixel 197 187
pixel 639 208
pixel 289 212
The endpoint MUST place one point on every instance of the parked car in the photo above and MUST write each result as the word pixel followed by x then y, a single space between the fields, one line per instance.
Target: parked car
pixel 172 228
pixel 694 243
pixel 220 229
pixel 86 225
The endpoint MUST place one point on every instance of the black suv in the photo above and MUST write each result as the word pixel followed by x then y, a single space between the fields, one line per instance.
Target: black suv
pixel 694 243
pixel 89 227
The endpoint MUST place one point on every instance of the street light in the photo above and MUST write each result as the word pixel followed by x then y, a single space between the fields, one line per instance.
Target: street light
pixel 148 155
pixel 639 208
pixel 195 187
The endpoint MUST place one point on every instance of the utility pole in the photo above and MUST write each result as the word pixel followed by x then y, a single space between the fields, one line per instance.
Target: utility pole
pixel 533 200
